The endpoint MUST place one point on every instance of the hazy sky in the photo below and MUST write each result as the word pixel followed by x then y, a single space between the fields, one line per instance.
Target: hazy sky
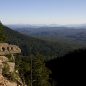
pixel 43 11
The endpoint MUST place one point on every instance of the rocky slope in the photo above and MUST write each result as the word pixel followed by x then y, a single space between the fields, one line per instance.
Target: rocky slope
pixel 7 65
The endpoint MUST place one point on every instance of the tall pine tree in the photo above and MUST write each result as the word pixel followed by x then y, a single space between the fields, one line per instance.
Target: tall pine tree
pixel 40 73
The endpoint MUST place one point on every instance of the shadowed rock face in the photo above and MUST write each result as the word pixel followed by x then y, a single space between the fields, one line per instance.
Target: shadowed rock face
pixel 6 48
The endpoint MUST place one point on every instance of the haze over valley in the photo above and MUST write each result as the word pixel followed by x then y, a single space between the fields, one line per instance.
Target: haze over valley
pixel 71 33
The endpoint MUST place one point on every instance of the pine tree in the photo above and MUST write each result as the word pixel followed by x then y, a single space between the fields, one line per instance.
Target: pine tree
pixel 40 73
pixel 2 35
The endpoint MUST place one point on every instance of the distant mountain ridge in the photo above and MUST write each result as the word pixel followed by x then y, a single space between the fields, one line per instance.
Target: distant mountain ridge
pixel 70 33
pixel 76 26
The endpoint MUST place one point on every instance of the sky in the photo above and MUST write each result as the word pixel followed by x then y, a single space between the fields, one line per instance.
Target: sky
pixel 43 11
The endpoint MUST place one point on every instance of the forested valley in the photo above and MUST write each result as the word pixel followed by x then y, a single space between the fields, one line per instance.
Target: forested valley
pixel 47 62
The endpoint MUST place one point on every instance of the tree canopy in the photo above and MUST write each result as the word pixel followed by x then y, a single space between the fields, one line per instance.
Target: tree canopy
pixel 2 35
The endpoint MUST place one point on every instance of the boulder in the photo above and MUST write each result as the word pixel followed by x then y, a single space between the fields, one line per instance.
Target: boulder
pixel 3 58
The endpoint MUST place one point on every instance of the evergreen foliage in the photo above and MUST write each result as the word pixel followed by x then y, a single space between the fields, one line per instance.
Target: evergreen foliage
pixel 2 34
pixel 5 70
pixel 69 70
pixel 40 73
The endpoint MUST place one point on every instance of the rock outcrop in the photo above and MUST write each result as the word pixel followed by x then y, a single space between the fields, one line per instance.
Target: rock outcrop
pixel 8 49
